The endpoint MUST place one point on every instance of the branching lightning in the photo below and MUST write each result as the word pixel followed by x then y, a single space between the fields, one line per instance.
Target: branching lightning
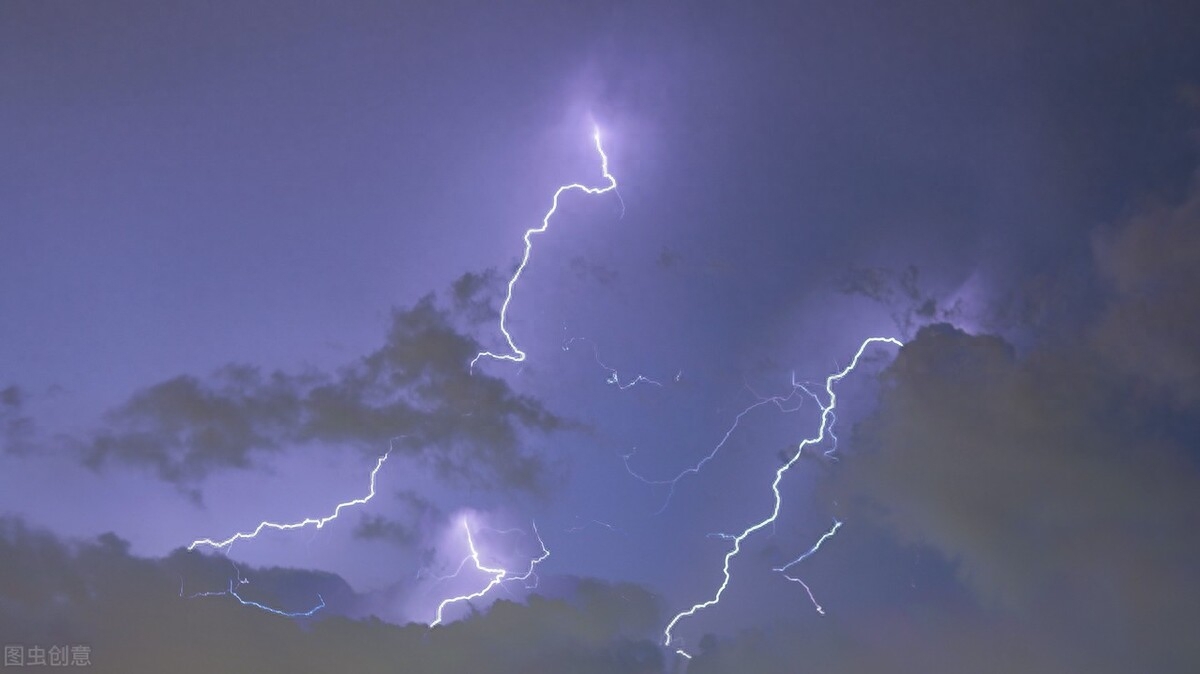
pixel 499 575
pixel 515 354
pixel 232 592
pixel 316 522
pixel 811 551
pixel 826 417
pixel 310 521
pixel 496 574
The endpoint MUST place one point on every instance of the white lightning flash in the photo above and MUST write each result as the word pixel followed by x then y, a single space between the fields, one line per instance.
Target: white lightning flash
pixel 499 575
pixel 826 415
pixel 317 522
pixel 515 354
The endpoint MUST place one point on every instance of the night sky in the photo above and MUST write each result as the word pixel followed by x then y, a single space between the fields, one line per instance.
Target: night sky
pixel 249 248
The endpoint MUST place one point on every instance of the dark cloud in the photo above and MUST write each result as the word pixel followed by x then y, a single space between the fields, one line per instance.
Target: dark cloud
pixel 53 591
pixel 585 269
pixel 420 517
pixel 667 258
pixel 378 527
pixel 187 426
pixel 1151 327
pixel 130 612
pixel 415 393
pixel 914 641
pixel 900 291
pixel 1045 480
pixel 473 295
pixel 16 427
pixel 1059 480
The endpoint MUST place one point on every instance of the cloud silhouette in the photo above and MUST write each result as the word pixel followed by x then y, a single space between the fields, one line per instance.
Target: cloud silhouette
pixel 415 393
pixel 1150 328
pixel 129 611
pixel 16 427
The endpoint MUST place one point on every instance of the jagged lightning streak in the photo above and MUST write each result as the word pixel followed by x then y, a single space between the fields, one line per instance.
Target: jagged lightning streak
pixel 777 400
pixel 499 575
pixel 425 572
pixel 515 354
pixel 837 524
pixel 318 522
pixel 826 414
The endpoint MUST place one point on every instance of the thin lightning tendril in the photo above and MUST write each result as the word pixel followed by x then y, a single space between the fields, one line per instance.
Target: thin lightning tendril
pixel 807 589
pixel 826 415
pixel 515 354
pixel 614 377
pixel 837 524
pixel 580 527
pixel 499 575
pixel 232 592
pixel 777 400
pixel 422 572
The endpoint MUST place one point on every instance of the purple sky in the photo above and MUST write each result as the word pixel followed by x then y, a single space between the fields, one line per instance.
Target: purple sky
pixel 246 247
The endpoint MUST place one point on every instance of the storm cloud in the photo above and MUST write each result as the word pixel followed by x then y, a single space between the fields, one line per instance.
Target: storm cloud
pixel 136 615
pixel 416 393
pixel 1150 327
pixel 1058 480
pixel 16 427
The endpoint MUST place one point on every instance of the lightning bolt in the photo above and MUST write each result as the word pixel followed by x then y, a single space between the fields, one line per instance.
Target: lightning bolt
pixel 826 416
pixel 777 400
pixel 831 452
pixel 317 522
pixel 515 354
pixel 811 551
pixel 425 572
pixel 499 575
